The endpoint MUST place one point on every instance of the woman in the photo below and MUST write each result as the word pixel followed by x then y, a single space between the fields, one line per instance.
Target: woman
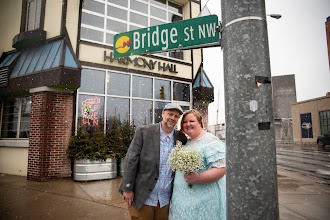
pixel 207 197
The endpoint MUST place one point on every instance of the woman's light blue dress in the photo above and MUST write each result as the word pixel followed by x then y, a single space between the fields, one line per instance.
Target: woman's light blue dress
pixel 202 201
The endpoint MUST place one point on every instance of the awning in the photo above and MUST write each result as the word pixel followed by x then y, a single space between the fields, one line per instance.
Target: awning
pixel 46 56
pixel 51 64
pixel 202 87
pixel 201 79
pixel 8 59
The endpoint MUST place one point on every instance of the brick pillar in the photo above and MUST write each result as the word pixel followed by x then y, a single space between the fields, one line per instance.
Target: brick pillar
pixel 203 109
pixel 50 131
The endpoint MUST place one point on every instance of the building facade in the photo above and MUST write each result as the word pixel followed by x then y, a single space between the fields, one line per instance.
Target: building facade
pixel 311 118
pixel 58 73
pixel 327 31
pixel 284 94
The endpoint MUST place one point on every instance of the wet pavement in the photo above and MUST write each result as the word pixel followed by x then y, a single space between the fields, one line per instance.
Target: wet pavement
pixel 300 197
pixel 305 161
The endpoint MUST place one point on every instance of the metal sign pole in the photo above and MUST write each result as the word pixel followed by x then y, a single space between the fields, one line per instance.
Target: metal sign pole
pixel 250 137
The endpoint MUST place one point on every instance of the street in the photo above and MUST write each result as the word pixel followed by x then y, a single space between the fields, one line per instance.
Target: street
pixel 306 160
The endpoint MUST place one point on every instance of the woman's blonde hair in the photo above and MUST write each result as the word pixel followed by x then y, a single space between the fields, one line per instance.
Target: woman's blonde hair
pixel 197 114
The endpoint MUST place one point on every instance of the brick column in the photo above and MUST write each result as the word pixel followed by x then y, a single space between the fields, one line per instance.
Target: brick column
pixel 50 131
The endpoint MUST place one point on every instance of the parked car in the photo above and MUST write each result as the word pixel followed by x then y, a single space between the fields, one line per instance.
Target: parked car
pixel 323 140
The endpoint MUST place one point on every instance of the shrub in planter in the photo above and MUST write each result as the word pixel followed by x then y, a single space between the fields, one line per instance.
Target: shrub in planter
pixel 89 146
pixel 92 158
pixel 78 145
pixel 127 133
pixel 113 139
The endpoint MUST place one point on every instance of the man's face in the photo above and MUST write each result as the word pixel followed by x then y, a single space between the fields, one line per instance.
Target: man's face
pixel 170 118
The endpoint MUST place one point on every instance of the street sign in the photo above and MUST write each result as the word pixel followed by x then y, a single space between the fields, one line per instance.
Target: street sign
pixel 187 34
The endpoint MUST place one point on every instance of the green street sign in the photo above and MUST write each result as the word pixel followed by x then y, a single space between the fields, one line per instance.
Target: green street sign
pixel 187 34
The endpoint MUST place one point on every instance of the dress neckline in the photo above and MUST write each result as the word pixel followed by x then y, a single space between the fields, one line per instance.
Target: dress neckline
pixel 199 137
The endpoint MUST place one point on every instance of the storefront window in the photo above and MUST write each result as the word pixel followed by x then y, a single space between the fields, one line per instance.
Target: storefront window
pixel 139 19
pixel 139 6
pixel 325 122
pixel 109 38
pixel 157 12
pixel 127 96
pixel 142 87
pixel 93 20
pixel 118 84
pixel 117 12
pixel 119 108
pixel 141 112
pixel 116 26
pixel 94 6
pixel 159 106
pixel 24 127
pixel 162 89
pixel 161 3
pixel 119 2
pixel 16 118
pixel 181 91
pixel 91 112
pixel 92 81
pixel 92 35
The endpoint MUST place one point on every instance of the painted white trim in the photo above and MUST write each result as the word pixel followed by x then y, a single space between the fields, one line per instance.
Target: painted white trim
pixel 244 19
pixel 49 89
pixel 14 143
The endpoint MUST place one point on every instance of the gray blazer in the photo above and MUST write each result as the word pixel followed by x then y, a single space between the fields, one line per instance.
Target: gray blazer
pixel 142 163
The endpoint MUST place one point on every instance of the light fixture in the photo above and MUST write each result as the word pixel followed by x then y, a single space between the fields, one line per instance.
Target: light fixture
pixel 276 16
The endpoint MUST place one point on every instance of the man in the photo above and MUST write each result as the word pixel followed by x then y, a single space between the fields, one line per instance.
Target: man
pixel 147 180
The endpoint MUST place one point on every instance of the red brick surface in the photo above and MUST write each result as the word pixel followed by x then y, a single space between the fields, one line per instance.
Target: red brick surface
pixel 50 131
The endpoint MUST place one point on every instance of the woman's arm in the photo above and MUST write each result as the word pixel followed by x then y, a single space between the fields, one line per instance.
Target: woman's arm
pixel 209 176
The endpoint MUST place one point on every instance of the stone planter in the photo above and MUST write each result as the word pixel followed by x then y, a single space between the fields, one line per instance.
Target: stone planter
pixel 121 166
pixel 86 170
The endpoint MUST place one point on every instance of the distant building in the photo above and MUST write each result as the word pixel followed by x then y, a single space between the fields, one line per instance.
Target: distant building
pixel 327 30
pixel 311 118
pixel 284 94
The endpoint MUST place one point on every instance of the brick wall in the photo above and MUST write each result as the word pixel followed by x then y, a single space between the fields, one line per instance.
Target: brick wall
pixel 50 131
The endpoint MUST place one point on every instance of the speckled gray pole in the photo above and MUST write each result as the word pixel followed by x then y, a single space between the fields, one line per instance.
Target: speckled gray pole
pixel 250 138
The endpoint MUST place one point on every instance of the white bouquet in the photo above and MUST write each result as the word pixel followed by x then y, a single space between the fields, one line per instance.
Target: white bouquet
pixel 185 160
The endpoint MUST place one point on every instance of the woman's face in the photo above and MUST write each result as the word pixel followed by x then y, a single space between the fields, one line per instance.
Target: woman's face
pixel 191 126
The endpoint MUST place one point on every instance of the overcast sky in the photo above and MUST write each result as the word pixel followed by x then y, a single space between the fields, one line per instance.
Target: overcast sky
pixel 297 45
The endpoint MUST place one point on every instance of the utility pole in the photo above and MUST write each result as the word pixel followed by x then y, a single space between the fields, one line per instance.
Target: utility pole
pixel 250 137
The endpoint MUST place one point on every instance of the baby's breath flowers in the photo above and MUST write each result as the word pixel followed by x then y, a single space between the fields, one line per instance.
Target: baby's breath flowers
pixel 186 160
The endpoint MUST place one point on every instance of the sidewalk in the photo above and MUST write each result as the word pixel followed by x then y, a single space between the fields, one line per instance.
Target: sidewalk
pixel 300 197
